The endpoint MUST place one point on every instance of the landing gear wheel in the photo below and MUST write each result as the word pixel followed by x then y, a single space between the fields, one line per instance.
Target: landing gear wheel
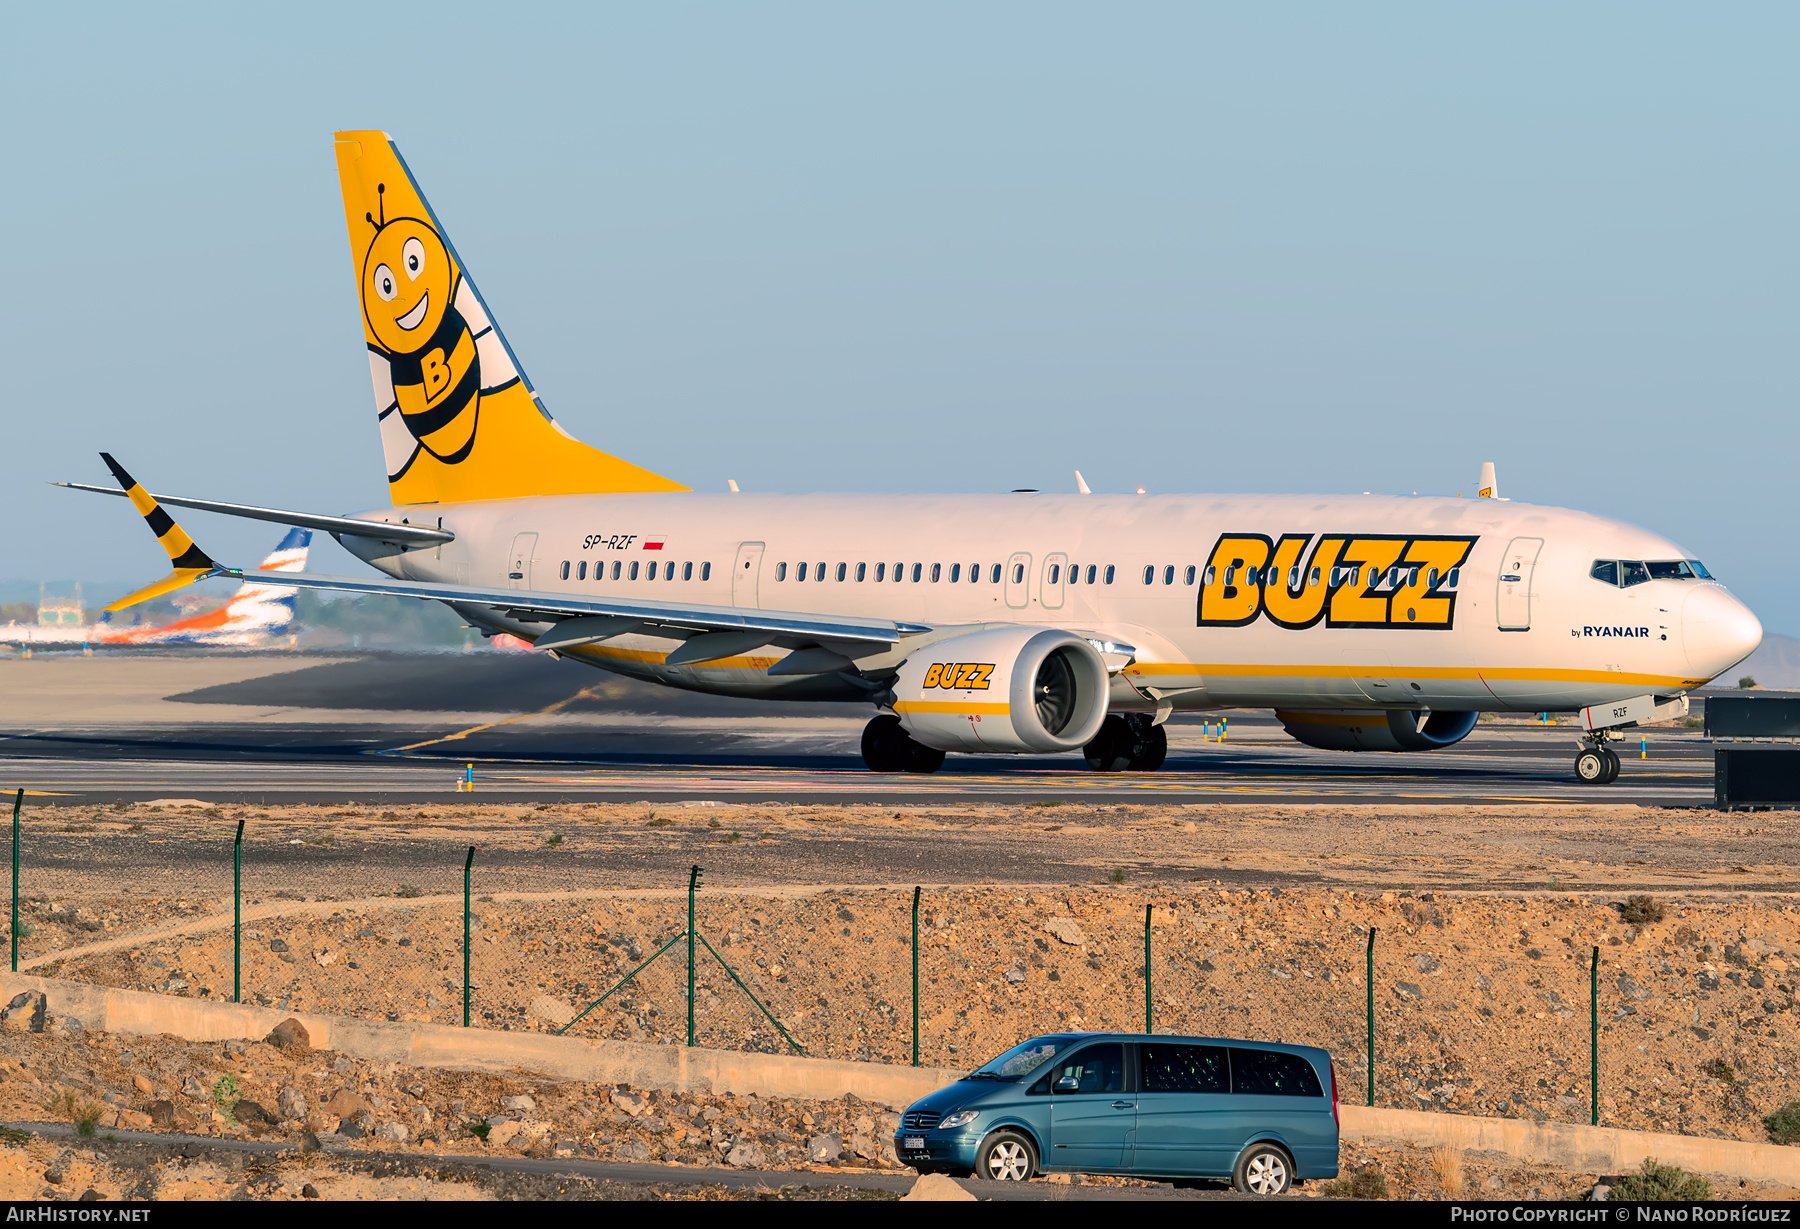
pixel 887 747
pixel 1264 1169
pixel 1006 1156
pixel 1591 766
pixel 1612 765
pixel 1150 749
pixel 1111 749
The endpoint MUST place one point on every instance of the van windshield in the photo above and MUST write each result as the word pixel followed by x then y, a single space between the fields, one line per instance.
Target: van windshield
pixel 1025 1058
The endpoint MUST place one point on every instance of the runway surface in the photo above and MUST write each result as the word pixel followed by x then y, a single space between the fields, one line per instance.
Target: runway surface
pixel 278 728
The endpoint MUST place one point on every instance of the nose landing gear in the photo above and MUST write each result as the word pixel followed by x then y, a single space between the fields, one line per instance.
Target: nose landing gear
pixel 1597 764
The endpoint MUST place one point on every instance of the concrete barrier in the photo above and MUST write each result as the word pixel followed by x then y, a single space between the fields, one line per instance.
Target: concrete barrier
pixel 677 1068
pixel 1569 1146
pixel 671 1067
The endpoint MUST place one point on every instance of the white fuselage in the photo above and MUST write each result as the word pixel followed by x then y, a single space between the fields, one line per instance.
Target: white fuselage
pixel 1556 638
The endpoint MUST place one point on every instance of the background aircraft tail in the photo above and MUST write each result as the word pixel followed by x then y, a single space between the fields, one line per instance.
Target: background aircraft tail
pixel 258 611
pixel 459 420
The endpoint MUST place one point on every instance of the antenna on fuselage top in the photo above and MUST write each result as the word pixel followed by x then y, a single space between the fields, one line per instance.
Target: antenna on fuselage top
pixel 1081 484
pixel 732 483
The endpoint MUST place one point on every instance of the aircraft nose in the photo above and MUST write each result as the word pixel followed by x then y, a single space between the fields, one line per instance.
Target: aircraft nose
pixel 1717 630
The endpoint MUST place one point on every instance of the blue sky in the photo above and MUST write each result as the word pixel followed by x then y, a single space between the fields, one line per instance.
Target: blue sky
pixel 929 247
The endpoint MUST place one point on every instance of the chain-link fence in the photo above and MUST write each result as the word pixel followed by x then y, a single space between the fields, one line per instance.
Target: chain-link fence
pixel 1492 1004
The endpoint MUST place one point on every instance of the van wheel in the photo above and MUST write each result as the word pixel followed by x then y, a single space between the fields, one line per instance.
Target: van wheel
pixel 1264 1169
pixel 1006 1156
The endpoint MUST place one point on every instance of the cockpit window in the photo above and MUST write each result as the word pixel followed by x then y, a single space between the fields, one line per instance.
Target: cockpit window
pixel 1628 572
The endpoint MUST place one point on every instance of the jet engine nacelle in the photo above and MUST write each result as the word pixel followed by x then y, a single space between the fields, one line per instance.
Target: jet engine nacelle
pixel 1377 730
pixel 1009 689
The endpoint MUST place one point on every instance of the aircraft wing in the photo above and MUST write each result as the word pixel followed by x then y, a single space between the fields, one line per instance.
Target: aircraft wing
pixel 614 617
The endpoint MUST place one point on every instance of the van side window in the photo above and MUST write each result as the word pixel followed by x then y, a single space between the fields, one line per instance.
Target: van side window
pixel 1095 1069
pixel 1270 1073
pixel 1184 1068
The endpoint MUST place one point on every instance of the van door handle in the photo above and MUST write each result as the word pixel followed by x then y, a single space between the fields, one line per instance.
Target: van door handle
pixel 1124 1105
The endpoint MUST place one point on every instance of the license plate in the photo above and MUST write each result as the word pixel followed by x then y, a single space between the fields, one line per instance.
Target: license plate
pixel 915 1141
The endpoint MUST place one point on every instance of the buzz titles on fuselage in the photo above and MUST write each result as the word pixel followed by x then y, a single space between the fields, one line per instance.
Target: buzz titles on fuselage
pixel 1347 580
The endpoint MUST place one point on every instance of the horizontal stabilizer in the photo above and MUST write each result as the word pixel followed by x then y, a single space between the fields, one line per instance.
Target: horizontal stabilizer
pixel 342 526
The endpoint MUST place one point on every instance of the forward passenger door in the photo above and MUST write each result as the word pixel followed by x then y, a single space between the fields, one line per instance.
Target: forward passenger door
pixel 1092 1110
pixel 1513 604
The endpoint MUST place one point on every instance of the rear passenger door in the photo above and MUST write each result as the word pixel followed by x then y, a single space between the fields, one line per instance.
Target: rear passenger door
pixel 1184 1099
pixel 1276 1093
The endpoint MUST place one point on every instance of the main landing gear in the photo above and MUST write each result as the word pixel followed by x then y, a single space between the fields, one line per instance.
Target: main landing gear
pixel 887 747
pixel 1597 763
pixel 1128 743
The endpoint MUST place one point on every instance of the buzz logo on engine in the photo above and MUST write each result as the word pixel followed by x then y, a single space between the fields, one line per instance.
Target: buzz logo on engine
pixel 959 675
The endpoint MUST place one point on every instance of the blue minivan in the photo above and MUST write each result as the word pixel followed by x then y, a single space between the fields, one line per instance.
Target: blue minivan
pixel 1259 1113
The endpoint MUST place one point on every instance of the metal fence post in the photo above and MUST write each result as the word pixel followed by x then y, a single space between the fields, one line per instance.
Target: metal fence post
pixel 468 866
pixel 915 955
pixel 1370 978
pixel 1149 996
pixel 237 916
pixel 18 802
pixel 693 886
pixel 1594 1038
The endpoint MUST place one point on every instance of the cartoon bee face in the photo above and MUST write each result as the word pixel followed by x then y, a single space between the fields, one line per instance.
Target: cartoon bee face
pixel 407 285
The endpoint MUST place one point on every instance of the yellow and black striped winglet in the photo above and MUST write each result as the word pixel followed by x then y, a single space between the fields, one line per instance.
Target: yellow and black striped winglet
pixel 189 562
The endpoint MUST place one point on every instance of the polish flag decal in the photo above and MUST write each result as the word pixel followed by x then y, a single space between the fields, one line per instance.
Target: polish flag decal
pixel 653 543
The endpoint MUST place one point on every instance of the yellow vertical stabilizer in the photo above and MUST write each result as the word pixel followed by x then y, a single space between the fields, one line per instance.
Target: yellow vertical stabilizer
pixel 459 420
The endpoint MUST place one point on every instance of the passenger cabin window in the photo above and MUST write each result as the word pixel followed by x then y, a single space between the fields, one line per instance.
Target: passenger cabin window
pixel 615 574
pixel 1094 1069
pixel 1270 1073
pixel 1055 573
pixel 1018 573
pixel 800 571
pixel 1090 574
pixel 843 571
pixel 634 569
pixel 880 572
pixel 918 572
pixel 820 574
pixel 1149 573
pixel 706 571
pixel 581 570
pixel 781 571
pixel 955 572
pixel 1187 577
pixel 687 571
pixel 1108 576
pixel 937 570
pixel 565 570
pixel 994 578
pixel 1455 575
pixel 1211 572
pixel 1167 1067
